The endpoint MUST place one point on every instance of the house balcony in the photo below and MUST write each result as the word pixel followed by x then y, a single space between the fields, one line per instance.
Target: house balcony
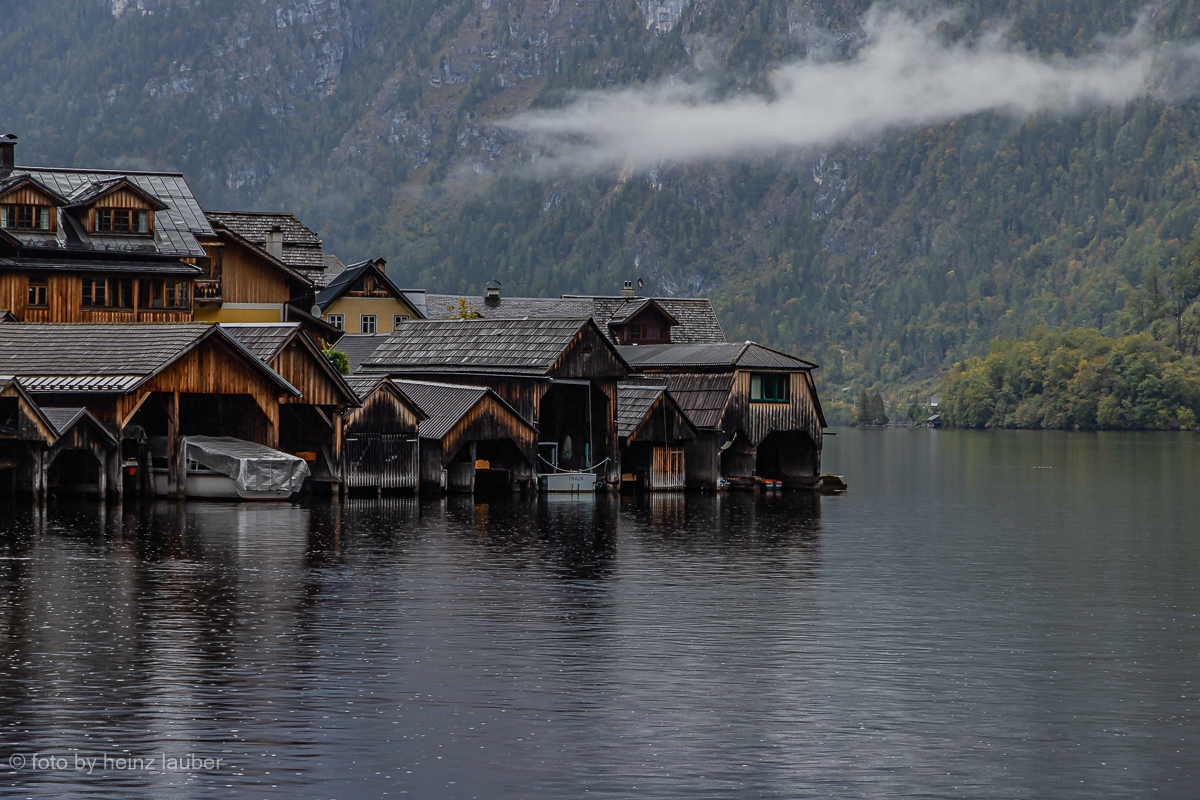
pixel 208 291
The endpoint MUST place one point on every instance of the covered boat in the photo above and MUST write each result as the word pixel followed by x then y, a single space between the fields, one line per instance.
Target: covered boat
pixel 222 467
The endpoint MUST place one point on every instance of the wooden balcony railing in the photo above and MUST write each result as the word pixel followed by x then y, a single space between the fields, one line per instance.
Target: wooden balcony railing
pixel 208 291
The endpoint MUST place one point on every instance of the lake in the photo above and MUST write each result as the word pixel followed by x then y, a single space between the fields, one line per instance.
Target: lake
pixel 984 615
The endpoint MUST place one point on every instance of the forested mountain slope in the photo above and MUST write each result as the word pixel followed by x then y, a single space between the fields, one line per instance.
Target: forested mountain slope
pixel 375 122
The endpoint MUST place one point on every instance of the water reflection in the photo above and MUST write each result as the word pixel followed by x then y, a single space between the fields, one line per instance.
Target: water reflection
pixel 995 617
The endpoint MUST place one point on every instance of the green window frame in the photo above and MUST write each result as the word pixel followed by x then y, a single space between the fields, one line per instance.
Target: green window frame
pixel 770 387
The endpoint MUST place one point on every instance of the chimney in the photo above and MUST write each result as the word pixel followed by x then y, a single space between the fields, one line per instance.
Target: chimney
pixel 8 144
pixel 491 292
pixel 275 241
pixel 627 289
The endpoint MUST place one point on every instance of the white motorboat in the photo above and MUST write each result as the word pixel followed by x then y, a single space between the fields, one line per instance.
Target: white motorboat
pixel 567 482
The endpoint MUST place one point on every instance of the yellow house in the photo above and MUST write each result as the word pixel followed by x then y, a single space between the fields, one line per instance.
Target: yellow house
pixel 361 299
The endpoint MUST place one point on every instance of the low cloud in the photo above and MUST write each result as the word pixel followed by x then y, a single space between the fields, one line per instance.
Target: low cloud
pixel 905 76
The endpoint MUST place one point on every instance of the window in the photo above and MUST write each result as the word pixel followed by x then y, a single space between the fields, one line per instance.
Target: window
pixel 643 333
pixel 164 294
pixel 122 220
pixel 367 323
pixel 770 387
pixel 23 217
pixel 399 320
pixel 39 291
pixel 338 321
pixel 107 293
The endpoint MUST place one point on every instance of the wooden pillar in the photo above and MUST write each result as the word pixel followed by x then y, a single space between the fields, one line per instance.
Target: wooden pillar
pixel 176 482
pixel 273 424
pixel 116 480
pixel 339 434
pixel 102 477
pixel 43 474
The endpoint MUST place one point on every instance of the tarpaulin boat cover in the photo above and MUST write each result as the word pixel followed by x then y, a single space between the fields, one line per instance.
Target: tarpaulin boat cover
pixel 254 467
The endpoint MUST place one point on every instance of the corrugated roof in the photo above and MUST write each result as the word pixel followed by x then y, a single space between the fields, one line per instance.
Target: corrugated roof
pixel 514 346
pixel 746 354
pixel 359 347
pixel 444 404
pixel 634 401
pixel 264 339
pixel 701 396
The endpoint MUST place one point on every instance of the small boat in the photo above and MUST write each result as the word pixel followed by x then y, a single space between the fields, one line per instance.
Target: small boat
pixel 567 482
pixel 225 468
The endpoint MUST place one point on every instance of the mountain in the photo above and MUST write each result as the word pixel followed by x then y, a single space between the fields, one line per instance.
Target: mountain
pixel 883 261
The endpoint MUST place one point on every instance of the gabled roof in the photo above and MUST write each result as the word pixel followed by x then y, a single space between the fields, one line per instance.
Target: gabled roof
pixel 302 249
pixel 304 279
pixel 634 306
pixel 64 419
pixel 347 278
pixel 359 347
pixel 176 226
pixel 87 193
pixel 105 357
pixel 366 385
pixel 745 354
pixel 444 404
pixel 266 340
pixel 696 323
pixel 8 383
pixel 702 397
pixel 18 179
pixel 500 346
pixel 637 401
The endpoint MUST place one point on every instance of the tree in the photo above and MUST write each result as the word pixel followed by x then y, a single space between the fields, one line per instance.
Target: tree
pixel 878 411
pixel 865 409
pixel 339 360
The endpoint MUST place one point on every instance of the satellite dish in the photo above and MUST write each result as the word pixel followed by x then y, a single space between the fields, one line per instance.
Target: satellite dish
pixel 641 283
pixel 316 311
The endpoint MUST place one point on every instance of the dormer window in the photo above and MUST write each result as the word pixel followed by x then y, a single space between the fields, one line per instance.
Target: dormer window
pixel 25 217
pixel 122 220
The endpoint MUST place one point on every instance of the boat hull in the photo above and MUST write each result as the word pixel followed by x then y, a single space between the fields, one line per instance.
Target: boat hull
pixel 207 485
pixel 567 483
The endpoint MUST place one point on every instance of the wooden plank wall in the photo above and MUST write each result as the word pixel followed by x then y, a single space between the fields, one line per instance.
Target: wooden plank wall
pixel 490 420
pixel 246 278
pixel 757 420
pixel 384 411
pixel 64 295
pixel 298 366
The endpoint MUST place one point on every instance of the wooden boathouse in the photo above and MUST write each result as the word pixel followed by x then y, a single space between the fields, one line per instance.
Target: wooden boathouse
pixel 756 409
pixel 560 375
pixel 381 448
pixel 310 424
pixel 149 383
pixel 654 433
pixel 471 438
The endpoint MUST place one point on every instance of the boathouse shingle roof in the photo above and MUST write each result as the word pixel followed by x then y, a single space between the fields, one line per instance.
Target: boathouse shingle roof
pixel 741 354
pixel 358 347
pixel 264 339
pixel 634 401
pixel 698 323
pixel 511 346
pixel 302 248
pixel 702 397
pixel 101 357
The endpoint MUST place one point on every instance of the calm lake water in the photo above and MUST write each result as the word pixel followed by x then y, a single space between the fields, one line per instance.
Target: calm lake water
pixel 985 614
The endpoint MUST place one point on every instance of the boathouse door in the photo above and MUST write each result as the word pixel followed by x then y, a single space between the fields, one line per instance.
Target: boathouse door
pixel 667 468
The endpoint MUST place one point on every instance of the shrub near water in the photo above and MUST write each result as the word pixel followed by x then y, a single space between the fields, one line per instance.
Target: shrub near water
pixel 1074 380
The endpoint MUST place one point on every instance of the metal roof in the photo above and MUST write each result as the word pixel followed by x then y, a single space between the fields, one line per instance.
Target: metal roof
pixel 342 282
pixel 364 385
pixel 63 418
pixel 175 227
pixel 97 265
pixel 512 346
pixel 444 404
pixel 747 354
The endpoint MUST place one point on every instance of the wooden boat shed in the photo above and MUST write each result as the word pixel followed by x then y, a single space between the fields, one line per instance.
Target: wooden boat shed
pixel 756 409
pixel 310 424
pixel 560 375
pixel 381 448
pixel 654 432
pixel 470 436
pixel 150 383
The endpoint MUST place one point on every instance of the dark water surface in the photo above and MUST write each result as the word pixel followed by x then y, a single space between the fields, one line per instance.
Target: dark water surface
pixel 984 615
